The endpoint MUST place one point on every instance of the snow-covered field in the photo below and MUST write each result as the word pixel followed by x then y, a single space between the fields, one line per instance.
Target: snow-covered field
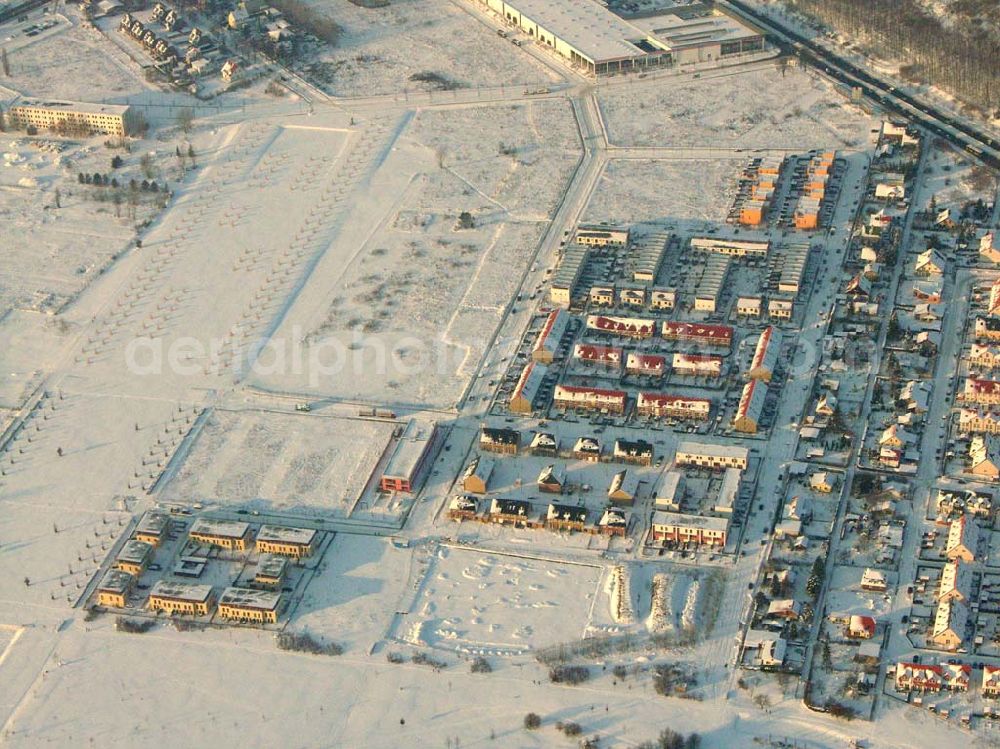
pixel 481 602
pixel 388 49
pixel 410 298
pixel 646 190
pixel 39 68
pixel 302 465
pixel 300 229
pixel 746 109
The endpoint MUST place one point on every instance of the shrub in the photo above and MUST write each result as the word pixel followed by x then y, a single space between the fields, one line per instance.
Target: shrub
pixel 133 626
pixel 481 666
pixel 569 674
pixel 305 643
pixel 532 721
pixel 422 659
pixel 394 657
pixel 570 728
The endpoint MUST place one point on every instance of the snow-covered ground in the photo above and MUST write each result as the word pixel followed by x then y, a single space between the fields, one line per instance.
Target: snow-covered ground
pixel 279 463
pixel 389 49
pixel 762 108
pixel 293 226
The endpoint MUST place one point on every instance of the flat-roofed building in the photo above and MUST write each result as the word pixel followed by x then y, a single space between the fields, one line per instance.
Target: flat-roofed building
pixel 646 365
pixel 134 557
pixel 669 493
pixel 681 528
pixel 71 117
pixel 181 598
pixel 152 528
pixel 749 306
pixel 649 252
pixel 711 455
pixel 115 588
pixel 730 247
pixel 250 606
pixel 729 491
pixel 590 399
pixel 708 335
pixel 626 327
pixel 765 355
pixel 233 535
pixel 751 407
pixel 526 390
pixel 629 296
pixel 792 267
pixel 270 571
pixel 601 235
pixel 663 405
pixel 780 309
pixel 567 277
pixel 696 365
pixel 550 337
pixel 662 299
pixel 287 542
pixel 602 296
pixel 476 478
pixel 411 458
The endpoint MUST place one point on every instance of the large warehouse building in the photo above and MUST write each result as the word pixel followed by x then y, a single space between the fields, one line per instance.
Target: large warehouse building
pixel 595 38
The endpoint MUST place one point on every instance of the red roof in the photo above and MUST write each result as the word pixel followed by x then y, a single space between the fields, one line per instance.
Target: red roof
pixel 618 394
pixel 984 386
pixel 606 354
pixel 663 399
pixel 617 325
pixel 697 330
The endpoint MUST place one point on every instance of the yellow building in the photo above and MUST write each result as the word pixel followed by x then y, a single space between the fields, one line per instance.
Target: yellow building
pixel 287 542
pixel 152 528
pixel 270 571
pixel 251 606
pixel 181 598
pixel 134 557
pixel 115 589
pixel 73 117
pixel 226 534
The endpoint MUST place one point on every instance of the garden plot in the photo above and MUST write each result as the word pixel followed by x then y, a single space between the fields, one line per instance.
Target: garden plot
pixel 638 190
pixel 763 110
pixel 77 64
pixel 422 272
pixel 306 465
pixel 415 45
pixel 477 601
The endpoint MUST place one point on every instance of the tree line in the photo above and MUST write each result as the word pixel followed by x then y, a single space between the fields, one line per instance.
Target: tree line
pixel 961 58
